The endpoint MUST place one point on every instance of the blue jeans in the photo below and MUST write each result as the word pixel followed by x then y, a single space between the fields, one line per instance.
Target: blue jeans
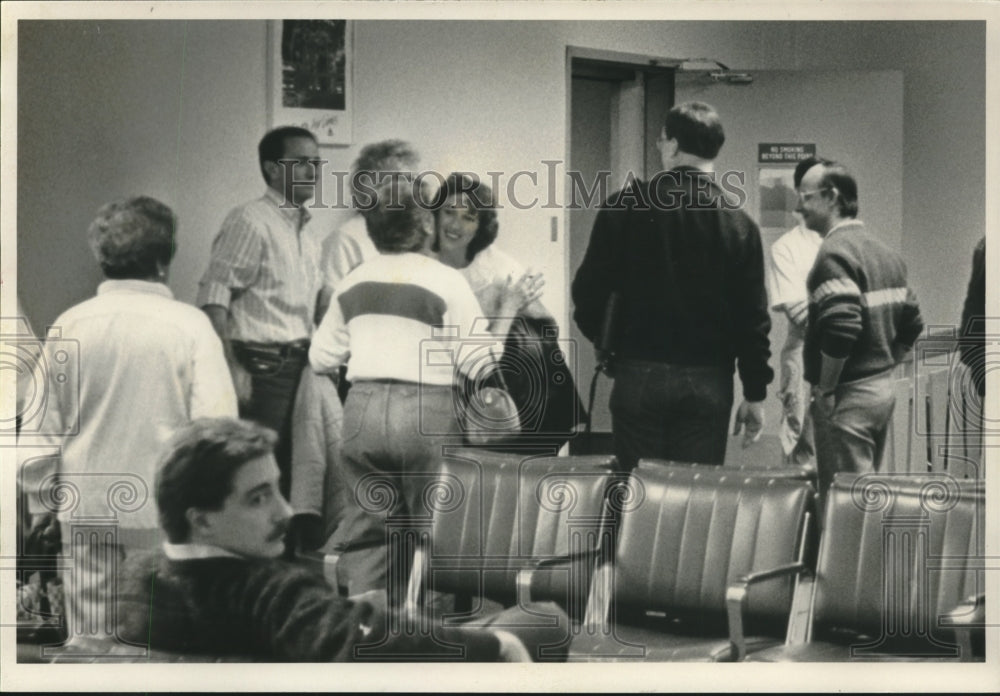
pixel 392 448
pixel 852 437
pixel 674 412
pixel 274 380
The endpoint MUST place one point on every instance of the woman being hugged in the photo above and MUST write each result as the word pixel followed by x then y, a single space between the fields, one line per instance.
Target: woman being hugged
pixel 533 365
pixel 466 229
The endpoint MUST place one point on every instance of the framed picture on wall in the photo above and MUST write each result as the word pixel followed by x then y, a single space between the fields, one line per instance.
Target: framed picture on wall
pixel 309 77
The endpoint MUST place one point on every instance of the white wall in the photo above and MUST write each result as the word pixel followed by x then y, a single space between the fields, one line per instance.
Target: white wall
pixel 852 116
pixel 109 109
pixel 174 109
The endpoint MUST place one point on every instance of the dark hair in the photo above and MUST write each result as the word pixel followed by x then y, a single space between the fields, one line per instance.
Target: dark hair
pixel 199 465
pixel 130 237
pixel 397 220
pixel 272 146
pixel 804 166
pixel 379 157
pixel 836 176
pixel 481 197
pixel 697 128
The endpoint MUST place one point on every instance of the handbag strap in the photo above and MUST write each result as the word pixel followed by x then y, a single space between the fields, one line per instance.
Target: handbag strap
pixel 490 377
pixel 497 372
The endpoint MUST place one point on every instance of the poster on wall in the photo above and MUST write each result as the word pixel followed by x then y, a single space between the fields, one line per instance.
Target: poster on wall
pixel 310 70
pixel 777 198
pixel 776 181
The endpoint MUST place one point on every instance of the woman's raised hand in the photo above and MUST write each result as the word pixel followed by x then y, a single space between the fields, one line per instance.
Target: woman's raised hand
pixel 521 292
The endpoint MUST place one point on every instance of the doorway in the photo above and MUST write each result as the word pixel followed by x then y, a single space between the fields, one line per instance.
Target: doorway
pixel 617 104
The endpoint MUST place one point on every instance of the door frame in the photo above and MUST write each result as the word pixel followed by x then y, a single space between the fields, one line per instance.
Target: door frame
pixel 612 66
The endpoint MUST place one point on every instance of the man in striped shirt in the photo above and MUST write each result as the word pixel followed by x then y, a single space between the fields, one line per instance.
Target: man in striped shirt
pixel 261 285
pixel 863 319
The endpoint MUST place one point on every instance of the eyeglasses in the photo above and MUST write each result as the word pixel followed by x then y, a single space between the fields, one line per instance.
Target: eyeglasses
pixel 806 195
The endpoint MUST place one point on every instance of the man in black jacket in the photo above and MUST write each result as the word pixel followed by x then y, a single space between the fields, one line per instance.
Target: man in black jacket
pixel 218 587
pixel 972 348
pixel 688 270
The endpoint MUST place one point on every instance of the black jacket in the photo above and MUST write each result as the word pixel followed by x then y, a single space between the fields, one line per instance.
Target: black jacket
pixel 972 347
pixel 689 268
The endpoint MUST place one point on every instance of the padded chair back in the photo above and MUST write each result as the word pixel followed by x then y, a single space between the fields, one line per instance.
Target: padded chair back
pixel 686 533
pixel 509 509
pixel 897 552
pixel 797 473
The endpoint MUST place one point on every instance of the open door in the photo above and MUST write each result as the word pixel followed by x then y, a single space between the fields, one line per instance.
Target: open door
pixel 617 102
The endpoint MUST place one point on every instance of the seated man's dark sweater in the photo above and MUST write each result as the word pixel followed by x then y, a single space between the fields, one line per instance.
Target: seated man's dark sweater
pixel 227 605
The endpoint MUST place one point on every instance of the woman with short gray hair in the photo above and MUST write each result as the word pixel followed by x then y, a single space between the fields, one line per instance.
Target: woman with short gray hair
pixel 128 367
pixel 134 239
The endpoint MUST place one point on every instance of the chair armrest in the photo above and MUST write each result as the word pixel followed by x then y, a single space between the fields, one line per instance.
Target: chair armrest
pixel 596 617
pixel 415 586
pixel 526 575
pixel 736 596
pixel 524 570
pixel 324 564
pixel 800 617
pixel 969 615
pixel 970 612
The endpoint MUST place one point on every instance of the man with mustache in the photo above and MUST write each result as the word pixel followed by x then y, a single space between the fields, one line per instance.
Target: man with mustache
pixel 218 587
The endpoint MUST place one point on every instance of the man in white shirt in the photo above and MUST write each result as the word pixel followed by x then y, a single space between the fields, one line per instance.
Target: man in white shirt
pixel 792 256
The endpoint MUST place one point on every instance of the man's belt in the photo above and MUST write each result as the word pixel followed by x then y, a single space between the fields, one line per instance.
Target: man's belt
pixel 295 349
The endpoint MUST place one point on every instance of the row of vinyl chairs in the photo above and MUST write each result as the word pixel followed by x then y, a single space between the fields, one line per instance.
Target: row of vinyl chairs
pixel 937 425
pixel 687 562
pixel 681 562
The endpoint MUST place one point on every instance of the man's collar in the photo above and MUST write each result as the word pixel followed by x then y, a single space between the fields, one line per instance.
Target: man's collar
pixel 194 552
pixel 807 231
pixel 844 224
pixel 295 213
pixel 132 285
pixel 690 169
pixel 685 176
